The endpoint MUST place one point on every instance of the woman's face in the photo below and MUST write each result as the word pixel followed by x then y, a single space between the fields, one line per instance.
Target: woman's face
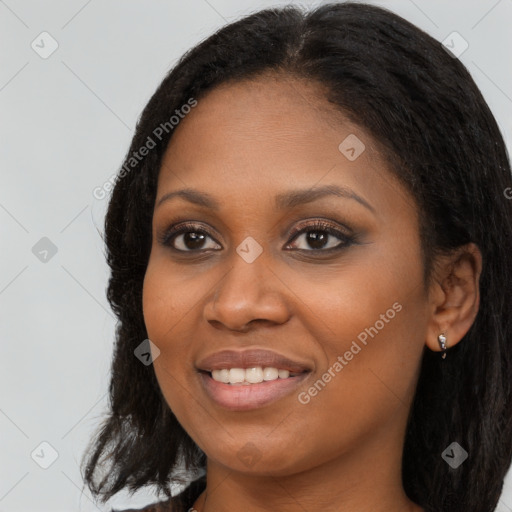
pixel 344 300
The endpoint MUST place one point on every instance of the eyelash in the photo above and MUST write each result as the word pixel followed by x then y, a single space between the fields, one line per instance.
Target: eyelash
pixel 171 233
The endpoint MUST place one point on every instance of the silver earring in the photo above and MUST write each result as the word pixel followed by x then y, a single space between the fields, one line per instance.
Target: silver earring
pixel 442 343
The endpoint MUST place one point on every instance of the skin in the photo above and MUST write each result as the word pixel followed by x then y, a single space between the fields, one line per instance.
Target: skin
pixel 243 144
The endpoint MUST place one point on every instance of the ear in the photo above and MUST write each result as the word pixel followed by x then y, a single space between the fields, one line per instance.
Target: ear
pixel 454 295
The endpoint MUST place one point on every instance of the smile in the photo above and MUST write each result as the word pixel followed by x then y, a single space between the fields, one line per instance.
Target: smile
pixel 244 395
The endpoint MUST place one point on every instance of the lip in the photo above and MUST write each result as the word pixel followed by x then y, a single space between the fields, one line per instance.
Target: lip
pixel 253 396
pixel 246 397
pixel 250 358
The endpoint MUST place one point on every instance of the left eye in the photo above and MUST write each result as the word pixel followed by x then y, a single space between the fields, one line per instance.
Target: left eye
pixel 316 236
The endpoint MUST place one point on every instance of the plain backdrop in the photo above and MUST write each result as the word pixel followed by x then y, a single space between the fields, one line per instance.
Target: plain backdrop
pixel 66 123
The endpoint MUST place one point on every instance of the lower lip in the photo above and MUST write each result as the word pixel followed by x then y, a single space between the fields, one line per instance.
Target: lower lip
pixel 246 397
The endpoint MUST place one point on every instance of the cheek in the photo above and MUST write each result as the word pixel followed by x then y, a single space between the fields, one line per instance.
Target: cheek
pixel 374 322
pixel 370 365
pixel 157 305
pixel 367 307
pixel 163 307
pixel 165 301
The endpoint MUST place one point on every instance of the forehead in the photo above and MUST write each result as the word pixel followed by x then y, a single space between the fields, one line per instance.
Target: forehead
pixel 262 135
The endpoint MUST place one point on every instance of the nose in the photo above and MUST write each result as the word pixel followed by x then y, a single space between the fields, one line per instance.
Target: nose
pixel 249 293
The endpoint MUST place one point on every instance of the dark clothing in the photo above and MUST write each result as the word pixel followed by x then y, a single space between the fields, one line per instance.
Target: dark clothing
pixel 189 495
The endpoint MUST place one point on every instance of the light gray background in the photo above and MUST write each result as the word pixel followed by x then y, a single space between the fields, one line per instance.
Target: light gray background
pixel 66 124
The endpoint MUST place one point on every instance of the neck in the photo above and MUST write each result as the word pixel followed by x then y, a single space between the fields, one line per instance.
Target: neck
pixel 365 479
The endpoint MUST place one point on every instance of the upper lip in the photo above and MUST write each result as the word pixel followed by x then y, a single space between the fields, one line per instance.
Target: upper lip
pixel 251 358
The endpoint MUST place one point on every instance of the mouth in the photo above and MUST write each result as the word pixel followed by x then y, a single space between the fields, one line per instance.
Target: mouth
pixel 242 380
pixel 244 395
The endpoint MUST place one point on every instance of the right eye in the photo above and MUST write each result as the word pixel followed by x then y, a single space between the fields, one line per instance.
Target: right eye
pixel 190 237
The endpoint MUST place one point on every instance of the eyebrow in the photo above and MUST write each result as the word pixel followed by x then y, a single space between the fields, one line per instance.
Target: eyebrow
pixel 285 200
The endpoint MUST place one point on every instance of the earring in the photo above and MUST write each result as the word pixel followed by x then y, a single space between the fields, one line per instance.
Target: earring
pixel 442 343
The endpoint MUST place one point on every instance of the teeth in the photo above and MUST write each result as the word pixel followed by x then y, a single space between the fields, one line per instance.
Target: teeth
pixel 236 375
pixel 253 375
pixel 249 375
pixel 270 373
pixel 222 375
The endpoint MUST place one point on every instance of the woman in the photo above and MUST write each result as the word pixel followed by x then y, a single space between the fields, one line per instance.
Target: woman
pixel 310 244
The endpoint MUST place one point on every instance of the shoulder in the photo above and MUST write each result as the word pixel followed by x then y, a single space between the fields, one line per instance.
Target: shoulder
pixel 184 500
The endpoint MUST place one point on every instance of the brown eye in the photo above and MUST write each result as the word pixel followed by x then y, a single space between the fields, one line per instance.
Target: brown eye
pixel 189 238
pixel 319 235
